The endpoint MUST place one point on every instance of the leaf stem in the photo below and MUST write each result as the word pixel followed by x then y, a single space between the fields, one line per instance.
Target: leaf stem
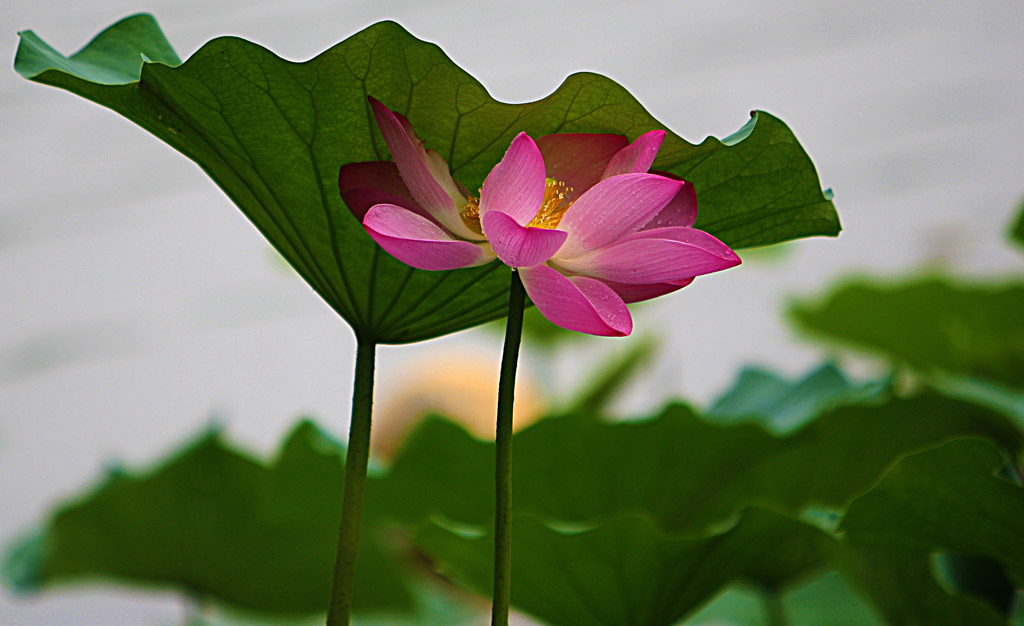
pixel 340 611
pixel 503 454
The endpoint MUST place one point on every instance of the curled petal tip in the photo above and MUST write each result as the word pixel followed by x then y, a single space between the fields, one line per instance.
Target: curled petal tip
pixel 637 157
pixel 520 246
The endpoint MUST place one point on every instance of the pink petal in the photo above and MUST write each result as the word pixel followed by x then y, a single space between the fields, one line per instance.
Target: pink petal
pixel 578 159
pixel 637 156
pixel 637 293
pixel 579 303
pixel 688 235
pixel 660 255
pixel 613 208
pixel 520 246
pixel 419 242
pixel 681 211
pixel 516 184
pixel 363 185
pixel 426 175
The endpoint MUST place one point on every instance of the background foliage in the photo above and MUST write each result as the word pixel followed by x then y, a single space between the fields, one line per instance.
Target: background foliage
pixel 643 521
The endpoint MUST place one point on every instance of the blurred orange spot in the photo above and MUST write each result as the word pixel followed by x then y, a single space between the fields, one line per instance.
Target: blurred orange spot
pixel 462 386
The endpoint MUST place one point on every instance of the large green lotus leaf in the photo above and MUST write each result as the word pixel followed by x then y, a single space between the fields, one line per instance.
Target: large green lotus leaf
pixel 677 468
pixel 628 571
pixel 931 324
pixel 783 406
pixel 214 522
pixel 945 498
pixel 273 134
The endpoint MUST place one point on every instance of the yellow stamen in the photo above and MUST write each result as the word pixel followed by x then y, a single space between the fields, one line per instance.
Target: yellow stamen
pixel 550 214
pixel 471 214
pixel 554 206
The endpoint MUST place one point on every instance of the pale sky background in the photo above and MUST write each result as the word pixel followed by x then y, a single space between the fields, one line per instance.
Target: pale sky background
pixel 136 301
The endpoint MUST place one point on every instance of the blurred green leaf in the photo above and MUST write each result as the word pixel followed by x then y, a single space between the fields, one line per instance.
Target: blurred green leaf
pixel 979 576
pixel 739 604
pixel 596 498
pixel 1017 230
pixel 901 586
pixel 612 376
pixel 215 523
pixel 844 452
pixel 824 599
pixel 539 333
pixel 828 599
pixel 1006 400
pixel 782 406
pixel 273 134
pixel 627 571
pixel 946 498
pixel 931 324
pixel 677 468
pixel 438 603
pixel 607 512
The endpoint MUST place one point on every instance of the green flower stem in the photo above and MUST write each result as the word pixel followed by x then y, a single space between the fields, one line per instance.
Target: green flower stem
pixel 340 610
pixel 503 455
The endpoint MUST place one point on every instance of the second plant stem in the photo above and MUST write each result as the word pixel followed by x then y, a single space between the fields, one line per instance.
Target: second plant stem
pixel 340 611
pixel 503 455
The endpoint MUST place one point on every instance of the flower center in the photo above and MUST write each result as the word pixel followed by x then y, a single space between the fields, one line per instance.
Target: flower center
pixel 554 206
pixel 471 214
pixel 551 211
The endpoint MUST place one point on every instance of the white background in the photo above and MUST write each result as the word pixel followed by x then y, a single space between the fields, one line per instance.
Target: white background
pixel 136 302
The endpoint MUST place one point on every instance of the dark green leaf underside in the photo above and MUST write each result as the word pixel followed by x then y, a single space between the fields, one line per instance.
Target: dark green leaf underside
pixel 273 134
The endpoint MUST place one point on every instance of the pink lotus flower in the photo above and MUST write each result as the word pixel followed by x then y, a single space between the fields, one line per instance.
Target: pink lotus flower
pixel 579 216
